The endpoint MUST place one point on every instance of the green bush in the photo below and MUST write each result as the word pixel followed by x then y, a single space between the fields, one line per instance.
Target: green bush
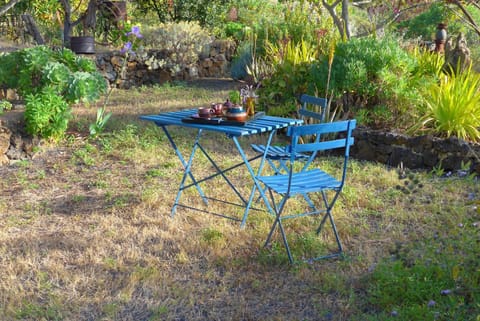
pixel 181 44
pixel 367 72
pixel 46 114
pixel 50 81
pixel 277 24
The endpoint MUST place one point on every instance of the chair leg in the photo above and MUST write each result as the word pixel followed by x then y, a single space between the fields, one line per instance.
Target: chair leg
pixel 278 220
pixel 285 242
pixel 334 228
pixel 328 215
pixel 276 214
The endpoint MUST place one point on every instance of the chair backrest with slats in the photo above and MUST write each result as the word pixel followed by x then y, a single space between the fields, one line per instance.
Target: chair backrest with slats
pixel 340 133
pixel 317 103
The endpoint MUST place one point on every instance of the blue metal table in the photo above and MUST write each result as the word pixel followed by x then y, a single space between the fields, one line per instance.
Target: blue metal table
pixel 263 124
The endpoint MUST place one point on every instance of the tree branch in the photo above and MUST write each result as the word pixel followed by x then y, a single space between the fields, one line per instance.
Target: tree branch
pixel 467 14
pixel 8 6
pixel 336 20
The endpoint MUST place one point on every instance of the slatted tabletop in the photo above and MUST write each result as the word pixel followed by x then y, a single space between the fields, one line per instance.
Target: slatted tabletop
pixel 255 126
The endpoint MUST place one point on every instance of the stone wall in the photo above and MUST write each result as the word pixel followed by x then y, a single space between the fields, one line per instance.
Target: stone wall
pixel 15 143
pixel 148 67
pixel 425 152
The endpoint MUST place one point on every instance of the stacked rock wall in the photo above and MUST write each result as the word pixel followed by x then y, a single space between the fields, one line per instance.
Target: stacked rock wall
pixel 419 152
pixel 151 66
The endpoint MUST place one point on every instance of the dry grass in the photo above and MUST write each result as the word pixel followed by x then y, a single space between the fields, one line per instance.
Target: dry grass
pixel 86 232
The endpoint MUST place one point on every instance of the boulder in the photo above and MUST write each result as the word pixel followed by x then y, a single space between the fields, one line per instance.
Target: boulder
pixel 5 135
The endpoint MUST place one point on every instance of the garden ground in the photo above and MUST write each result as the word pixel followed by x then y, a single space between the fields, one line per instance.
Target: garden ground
pixel 86 234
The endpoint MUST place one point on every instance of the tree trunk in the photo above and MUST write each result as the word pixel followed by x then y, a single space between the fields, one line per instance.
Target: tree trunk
pixel 32 28
pixel 346 20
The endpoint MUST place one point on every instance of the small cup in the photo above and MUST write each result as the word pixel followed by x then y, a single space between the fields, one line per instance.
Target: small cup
pixel 206 112
pixel 218 109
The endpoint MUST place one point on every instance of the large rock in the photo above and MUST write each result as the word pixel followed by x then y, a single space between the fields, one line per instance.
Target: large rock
pixel 5 135
pixel 456 56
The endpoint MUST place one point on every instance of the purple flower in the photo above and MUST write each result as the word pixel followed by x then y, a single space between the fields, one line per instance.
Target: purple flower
pixel 126 48
pixel 135 31
pixel 445 292
pixel 431 303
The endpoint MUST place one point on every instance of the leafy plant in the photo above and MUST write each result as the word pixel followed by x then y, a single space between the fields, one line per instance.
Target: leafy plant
pixel 423 25
pixel 5 105
pixel 234 96
pixel 46 114
pixel 100 122
pixel 291 64
pixel 452 107
pixel 50 80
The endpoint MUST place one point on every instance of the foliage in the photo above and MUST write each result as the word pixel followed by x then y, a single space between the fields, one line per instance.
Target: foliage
pixel 296 22
pixel 428 279
pixel 56 78
pixel 424 25
pixel 181 44
pixel 131 39
pixel 452 107
pixel 71 76
pixel 428 64
pixel 292 23
pixel 205 12
pixel 291 64
pixel 46 114
pixel 5 105
pixel 101 120
pixel 366 72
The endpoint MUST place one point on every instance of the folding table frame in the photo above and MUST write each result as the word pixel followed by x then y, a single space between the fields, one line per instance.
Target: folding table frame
pixel 264 124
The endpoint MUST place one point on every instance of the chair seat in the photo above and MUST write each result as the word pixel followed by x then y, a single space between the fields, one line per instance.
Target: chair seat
pixel 276 152
pixel 302 182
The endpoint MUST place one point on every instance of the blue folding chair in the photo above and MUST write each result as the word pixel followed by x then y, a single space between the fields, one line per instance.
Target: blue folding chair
pixel 277 156
pixel 300 181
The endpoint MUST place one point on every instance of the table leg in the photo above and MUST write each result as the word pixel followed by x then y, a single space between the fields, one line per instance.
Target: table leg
pixel 256 184
pixel 186 166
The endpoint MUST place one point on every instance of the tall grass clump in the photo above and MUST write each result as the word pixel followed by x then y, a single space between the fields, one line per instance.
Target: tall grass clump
pixel 290 62
pixel 452 107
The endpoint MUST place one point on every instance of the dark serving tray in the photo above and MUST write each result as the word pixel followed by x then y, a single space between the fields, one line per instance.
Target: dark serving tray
pixel 212 121
pixel 195 119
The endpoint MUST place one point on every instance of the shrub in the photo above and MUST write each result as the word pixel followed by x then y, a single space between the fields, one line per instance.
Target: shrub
pixel 424 24
pixel 50 81
pixel 367 72
pixel 46 114
pixel 5 105
pixel 181 43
